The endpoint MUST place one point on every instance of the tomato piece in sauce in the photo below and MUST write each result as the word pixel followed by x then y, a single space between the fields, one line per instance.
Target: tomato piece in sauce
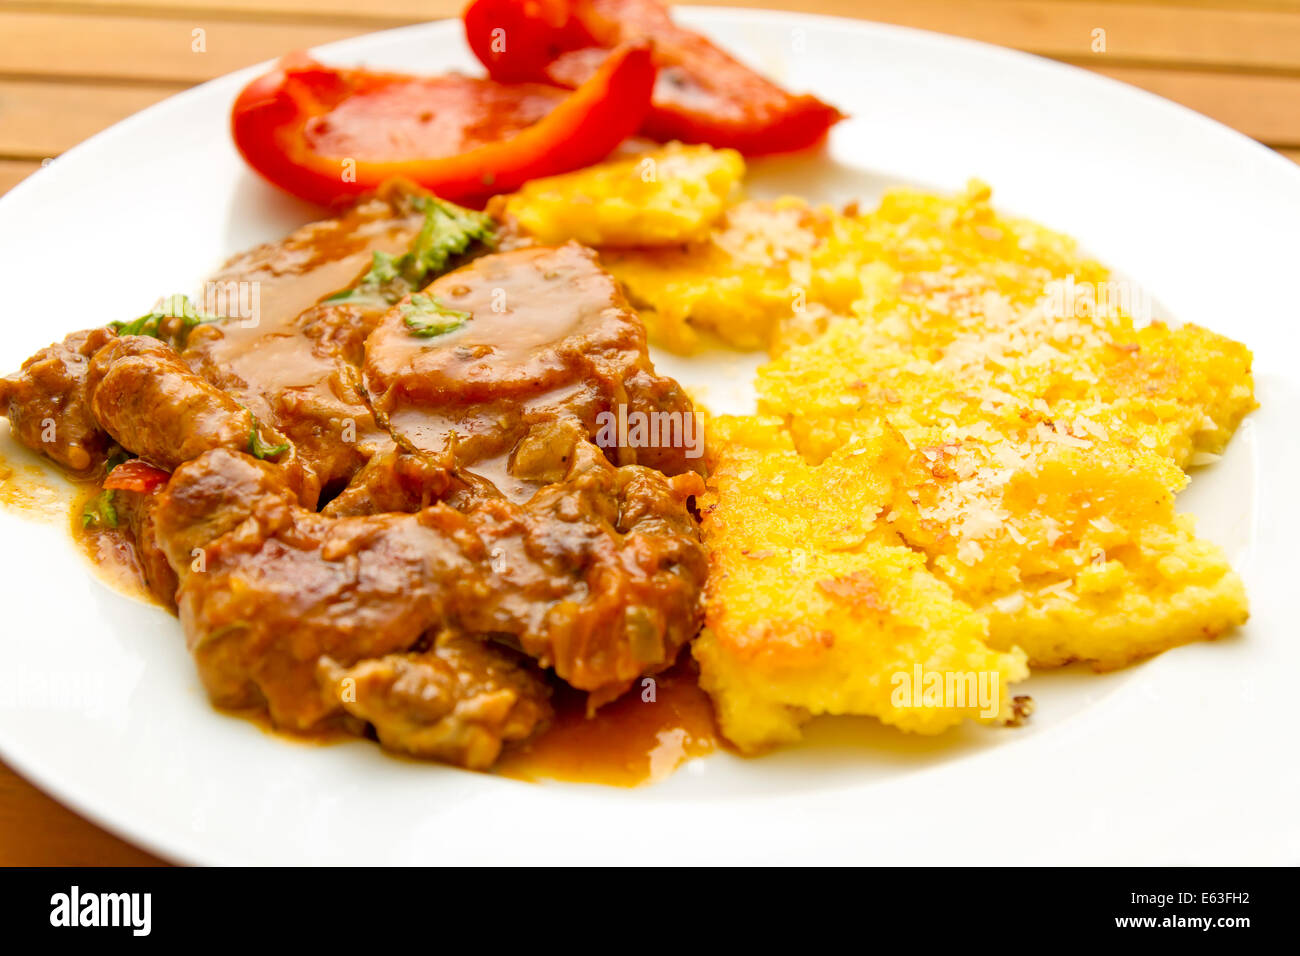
pixel 328 135
pixel 136 475
pixel 702 94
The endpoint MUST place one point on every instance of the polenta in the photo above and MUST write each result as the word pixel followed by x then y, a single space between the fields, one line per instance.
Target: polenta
pixel 965 458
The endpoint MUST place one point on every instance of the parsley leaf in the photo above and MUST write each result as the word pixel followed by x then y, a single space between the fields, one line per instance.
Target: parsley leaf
pixel 172 322
pixel 448 231
pixel 116 457
pixel 100 513
pixel 258 448
pixel 426 317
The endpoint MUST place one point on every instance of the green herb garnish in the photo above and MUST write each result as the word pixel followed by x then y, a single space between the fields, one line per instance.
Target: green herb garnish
pixel 156 324
pixel 117 456
pixel 448 231
pixel 426 317
pixel 100 513
pixel 258 448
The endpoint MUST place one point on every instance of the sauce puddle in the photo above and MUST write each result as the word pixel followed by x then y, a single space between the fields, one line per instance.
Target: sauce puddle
pixel 28 491
pixel 629 742
pixel 641 738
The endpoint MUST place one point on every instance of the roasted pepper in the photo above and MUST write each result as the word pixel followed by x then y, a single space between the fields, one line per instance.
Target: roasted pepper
pixel 328 135
pixel 702 94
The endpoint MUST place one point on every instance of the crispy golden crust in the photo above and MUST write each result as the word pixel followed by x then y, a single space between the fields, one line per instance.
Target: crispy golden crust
pixel 1023 439
pixel 967 452
pixel 664 197
pixel 815 605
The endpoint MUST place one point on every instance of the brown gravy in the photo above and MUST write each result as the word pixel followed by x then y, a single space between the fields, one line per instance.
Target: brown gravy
pixel 642 737
pixel 26 490
pixel 629 742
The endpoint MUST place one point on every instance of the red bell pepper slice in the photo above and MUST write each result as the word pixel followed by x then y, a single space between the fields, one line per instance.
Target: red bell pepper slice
pixel 702 95
pixel 135 475
pixel 328 135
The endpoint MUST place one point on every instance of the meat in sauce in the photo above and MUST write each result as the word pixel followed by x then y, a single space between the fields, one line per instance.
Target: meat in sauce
pixel 552 337
pixel 474 544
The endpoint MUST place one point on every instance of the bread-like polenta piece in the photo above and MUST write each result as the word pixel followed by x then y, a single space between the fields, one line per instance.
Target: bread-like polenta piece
pixel 668 196
pixel 765 262
pixel 1049 434
pixel 814 607
pixel 1071 548
pixel 1001 313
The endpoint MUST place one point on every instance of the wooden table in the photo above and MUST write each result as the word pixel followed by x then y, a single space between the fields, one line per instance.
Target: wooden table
pixel 69 68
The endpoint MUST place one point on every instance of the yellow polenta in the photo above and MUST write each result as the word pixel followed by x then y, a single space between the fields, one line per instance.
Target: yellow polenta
pixel 967 450
pixel 816 606
pixel 666 197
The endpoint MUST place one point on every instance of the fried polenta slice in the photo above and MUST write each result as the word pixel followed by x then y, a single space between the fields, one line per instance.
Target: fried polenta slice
pixel 1070 547
pixel 1009 313
pixel 764 262
pixel 813 607
pixel 1178 392
pixel 668 196
pixel 1049 434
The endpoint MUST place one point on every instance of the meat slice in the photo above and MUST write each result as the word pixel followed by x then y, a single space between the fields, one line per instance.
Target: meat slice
pixel 319 618
pixel 292 357
pixel 137 510
pixel 459 701
pixel 149 401
pixel 598 576
pixel 402 480
pixel 268 588
pixel 47 403
pixel 509 341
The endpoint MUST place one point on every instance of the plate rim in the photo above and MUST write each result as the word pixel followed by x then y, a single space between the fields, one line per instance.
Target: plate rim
pixel 176 847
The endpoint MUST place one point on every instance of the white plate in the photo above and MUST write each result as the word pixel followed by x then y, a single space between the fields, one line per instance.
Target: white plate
pixel 1188 758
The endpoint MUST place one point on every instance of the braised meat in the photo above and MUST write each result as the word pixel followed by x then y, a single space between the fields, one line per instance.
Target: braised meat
pixel 137 510
pixel 526 336
pixel 292 358
pixel 480 536
pixel 460 700
pixel 308 615
pixel 151 404
pixel 268 588
pixel 48 406
pixel 597 576
pixel 401 480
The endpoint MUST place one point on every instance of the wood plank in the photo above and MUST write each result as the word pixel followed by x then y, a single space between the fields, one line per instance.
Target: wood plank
pixel 412 11
pixel 44 119
pixel 149 49
pixel 1287 5
pixel 12 172
pixel 1134 32
pixel 1262 34
pixel 1266 108
pixel 37 831
pixel 300 11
